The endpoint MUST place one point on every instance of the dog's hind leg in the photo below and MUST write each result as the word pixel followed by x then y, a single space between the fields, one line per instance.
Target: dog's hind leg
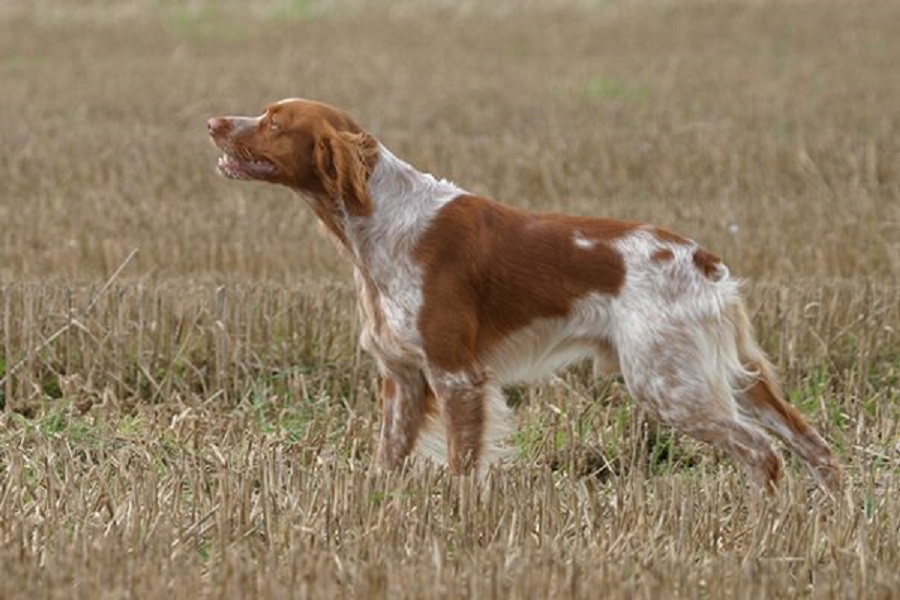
pixel 763 401
pixel 702 415
pixel 760 397
pixel 675 372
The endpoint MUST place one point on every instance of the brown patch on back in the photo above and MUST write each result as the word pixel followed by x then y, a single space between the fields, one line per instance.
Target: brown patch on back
pixel 491 269
pixel 662 255
pixel 708 264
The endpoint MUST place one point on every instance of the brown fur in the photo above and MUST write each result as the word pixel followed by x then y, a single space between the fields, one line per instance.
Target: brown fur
pixel 766 400
pixel 762 396
pixel 465 419
pixel 708 263
pixel 317 149
pixel 341 160
pixel 664 235
pixel 491 270
pixel 662 255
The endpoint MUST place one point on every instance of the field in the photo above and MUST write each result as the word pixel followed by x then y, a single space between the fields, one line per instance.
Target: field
pixel 185 412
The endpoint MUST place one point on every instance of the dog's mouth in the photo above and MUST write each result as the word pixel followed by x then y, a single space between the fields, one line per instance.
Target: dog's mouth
pixel 242 164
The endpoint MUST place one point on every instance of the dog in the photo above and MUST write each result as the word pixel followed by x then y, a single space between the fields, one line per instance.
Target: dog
pixel 459 295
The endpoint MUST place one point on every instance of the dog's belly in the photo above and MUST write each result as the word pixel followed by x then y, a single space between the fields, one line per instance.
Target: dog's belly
pixel 539 351
pixel 546 345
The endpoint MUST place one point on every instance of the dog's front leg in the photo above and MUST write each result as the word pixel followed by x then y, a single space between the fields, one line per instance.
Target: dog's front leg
pixel 404 395
pixel 462 397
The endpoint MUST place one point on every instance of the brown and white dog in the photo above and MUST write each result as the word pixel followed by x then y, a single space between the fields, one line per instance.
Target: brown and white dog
pixel 460 294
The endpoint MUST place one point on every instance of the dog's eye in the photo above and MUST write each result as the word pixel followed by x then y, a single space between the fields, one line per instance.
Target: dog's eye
pixel 274 126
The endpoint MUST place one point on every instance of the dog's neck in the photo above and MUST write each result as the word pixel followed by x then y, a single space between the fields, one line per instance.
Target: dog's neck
pixel 404 202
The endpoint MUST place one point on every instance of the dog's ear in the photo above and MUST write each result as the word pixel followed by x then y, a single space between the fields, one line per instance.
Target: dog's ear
pixel 344 162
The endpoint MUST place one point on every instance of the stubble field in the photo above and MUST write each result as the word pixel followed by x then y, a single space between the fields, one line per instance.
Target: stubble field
pixel 185 412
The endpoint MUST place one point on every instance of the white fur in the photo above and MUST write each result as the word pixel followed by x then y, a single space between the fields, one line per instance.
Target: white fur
pixel 675 343
pixel 498 426
pixel 404 203
pixel 582 242
pixel 241 124
pixel 548 345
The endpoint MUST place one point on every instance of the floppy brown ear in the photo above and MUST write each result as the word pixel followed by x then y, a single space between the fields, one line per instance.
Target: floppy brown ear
pixel 344 162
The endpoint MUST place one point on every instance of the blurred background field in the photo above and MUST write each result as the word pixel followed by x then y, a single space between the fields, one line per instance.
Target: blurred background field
pixel 185 411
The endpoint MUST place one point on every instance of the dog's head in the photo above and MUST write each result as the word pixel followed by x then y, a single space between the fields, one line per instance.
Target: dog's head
pixel 309 146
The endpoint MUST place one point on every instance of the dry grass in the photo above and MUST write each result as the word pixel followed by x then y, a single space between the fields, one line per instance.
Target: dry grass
pixel 203 426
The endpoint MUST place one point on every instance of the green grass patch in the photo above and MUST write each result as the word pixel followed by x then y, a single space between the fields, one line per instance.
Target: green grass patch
pixel 18 61
pixel 296 10
pixel 603 88
pixel 208 22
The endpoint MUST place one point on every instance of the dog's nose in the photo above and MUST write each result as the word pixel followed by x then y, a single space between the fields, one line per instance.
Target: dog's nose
pixel 215 125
